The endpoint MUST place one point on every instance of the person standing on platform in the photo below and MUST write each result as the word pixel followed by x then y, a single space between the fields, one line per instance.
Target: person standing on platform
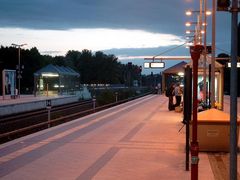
pixel 170 94
pixel 178 94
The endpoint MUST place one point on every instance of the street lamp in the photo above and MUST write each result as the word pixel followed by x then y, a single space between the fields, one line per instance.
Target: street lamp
pixel 188 24
pixel 203 31
pixel 19 66
pixel 190 12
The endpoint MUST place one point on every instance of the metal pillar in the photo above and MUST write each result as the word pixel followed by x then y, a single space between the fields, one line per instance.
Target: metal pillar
pixel 213 54
pixel 205 54
pixel 233 93
pixel 187 108
pixel 195 54
pixel 19 72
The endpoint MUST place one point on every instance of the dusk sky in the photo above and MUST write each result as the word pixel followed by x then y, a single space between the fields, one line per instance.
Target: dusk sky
pixel 129 29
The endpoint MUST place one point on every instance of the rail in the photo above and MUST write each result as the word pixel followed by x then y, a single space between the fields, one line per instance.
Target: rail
pixel 43 125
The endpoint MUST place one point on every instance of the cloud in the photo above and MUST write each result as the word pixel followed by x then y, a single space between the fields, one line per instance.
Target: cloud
pixel 92 39
pixel 53 20
pixel 154 15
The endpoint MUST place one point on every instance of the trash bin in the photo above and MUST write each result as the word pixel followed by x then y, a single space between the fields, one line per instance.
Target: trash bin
pixel 214 130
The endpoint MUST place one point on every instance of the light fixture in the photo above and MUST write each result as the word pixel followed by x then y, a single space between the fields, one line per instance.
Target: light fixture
pixel 229 64
pixel 187 24
pixel 181 74
pixel 49 75
pixel 190 12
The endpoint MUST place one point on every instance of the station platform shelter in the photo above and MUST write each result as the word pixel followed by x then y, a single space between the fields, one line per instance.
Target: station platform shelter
pixel 176 74
pixel 56 80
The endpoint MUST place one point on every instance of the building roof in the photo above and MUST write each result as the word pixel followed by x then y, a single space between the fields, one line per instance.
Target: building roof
pixel 176 68
pixel 60 70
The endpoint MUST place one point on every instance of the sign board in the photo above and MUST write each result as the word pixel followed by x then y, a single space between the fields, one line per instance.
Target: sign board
pixel 229 64
pixel 157 65
pixel 146 65
pixel 154 65
pixel 48 103
pixel 8 82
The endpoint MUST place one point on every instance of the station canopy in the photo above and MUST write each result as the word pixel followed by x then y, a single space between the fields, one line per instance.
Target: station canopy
pixel 176 68
pixel 54 71
pixel 56 80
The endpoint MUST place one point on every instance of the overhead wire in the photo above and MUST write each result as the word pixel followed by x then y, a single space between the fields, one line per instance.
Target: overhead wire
pixel 171 49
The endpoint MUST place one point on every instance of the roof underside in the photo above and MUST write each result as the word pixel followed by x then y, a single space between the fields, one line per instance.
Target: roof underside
pixel 60 70
pixel 176 68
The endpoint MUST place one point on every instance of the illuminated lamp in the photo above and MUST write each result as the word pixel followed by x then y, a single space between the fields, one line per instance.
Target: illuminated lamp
pixel 49 75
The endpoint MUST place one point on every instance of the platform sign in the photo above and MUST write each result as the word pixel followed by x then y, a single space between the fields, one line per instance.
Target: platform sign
pixel 146 65
pixel 154 65
pixel 48 103
pixel 157 65
pixel 49 106
pixel 229 64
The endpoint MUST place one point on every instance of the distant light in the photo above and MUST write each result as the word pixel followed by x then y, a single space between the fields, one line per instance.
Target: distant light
pixel 202 31
pixel 188 31
pixel 229 64
pixel 49 75
pixel 181 73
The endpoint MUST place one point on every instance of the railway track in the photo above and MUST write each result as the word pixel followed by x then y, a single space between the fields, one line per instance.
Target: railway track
pixel 21 124
pixel 18 125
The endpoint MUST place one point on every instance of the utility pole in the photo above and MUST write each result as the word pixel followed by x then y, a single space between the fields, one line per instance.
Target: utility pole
pixel 19 68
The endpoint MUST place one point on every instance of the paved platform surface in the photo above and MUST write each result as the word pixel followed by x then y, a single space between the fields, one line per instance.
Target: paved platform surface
pixel 138 140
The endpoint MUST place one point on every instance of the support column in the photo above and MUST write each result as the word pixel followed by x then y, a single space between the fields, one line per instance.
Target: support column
pixel 195 55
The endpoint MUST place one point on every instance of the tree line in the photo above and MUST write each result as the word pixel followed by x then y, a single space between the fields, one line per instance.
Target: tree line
pixel 94 68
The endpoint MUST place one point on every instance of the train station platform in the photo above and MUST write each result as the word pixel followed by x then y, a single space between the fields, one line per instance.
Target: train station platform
pixel 30 102
pixel 139 140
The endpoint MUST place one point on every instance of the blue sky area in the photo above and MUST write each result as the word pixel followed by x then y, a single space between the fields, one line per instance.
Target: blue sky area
pixel 129 29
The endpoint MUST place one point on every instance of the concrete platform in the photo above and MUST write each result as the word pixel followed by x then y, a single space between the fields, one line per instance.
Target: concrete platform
pixel 30 102
pixel 136 140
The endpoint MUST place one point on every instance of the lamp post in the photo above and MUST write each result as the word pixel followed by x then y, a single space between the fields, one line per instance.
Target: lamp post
pixel 19 66
pixel 201 24
pixel 190 12
pixel 195 52
pixel 212 98
pixel 205 53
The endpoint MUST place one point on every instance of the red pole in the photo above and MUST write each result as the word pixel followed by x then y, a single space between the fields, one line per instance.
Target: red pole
pixel 195 55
